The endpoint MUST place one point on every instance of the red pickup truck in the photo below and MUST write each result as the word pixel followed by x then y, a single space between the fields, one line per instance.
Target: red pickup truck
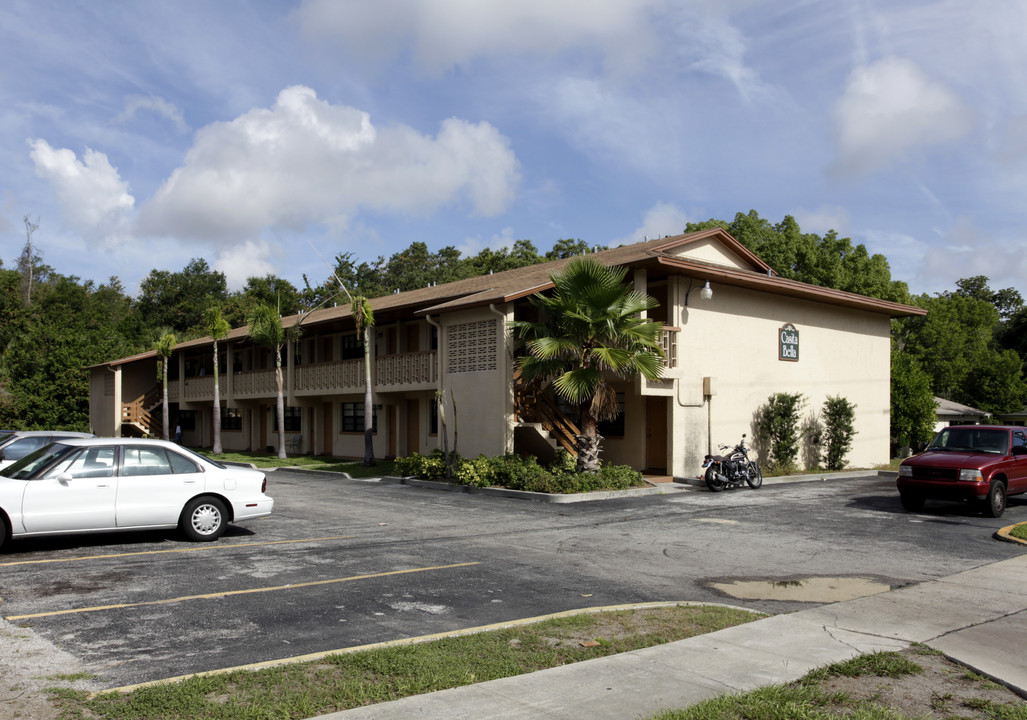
pixel 977 463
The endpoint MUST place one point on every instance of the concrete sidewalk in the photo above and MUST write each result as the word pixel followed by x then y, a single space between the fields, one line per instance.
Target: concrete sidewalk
pixel 977 617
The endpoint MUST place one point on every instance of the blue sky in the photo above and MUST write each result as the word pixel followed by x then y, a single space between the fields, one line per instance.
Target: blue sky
pixel 140 134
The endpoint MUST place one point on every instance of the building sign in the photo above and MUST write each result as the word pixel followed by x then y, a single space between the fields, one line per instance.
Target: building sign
pixel 788 343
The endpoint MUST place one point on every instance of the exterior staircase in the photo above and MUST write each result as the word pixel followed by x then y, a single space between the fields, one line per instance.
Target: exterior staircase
pixel 139 417
pixel 537 413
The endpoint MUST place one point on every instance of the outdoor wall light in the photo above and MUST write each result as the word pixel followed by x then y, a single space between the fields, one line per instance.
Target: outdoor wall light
pixel 704 294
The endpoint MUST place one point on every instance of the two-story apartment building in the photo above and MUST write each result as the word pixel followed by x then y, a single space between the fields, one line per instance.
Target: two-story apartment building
pixel 735 333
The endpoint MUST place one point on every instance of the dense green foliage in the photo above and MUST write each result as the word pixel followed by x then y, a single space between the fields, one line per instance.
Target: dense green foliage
pixel 971 347
pixel 590 328
pixel 515 472
pixel 839 415
pixel 777 426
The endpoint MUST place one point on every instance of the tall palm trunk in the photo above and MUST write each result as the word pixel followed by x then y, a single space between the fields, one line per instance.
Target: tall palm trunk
pixel 281 403
pixel 368 401
pixel 217 450
pixel 165 419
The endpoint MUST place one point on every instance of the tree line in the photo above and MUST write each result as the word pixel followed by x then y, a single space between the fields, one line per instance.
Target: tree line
pixel 971 347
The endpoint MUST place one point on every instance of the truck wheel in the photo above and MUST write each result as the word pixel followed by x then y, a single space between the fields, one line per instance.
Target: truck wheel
pixel 995 503
pixel 911 501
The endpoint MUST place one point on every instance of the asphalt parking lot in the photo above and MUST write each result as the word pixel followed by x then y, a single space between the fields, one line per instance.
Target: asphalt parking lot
pixel 344 563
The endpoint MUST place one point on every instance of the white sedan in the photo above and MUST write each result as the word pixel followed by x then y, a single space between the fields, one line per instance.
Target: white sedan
pixel 105 484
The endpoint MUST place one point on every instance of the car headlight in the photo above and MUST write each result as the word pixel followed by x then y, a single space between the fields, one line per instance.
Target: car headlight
pixel 970 475
pixel 905 471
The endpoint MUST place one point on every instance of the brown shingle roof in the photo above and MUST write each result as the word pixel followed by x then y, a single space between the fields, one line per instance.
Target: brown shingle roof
pixel 521 282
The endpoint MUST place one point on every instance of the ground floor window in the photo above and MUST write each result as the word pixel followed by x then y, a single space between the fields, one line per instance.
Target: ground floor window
pixel 231 418
pixel 433 416
pixel 293 420
pixel 187 419
pixel 353 417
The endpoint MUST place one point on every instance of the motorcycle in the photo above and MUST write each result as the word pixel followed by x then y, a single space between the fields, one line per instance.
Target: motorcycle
pixel 732 470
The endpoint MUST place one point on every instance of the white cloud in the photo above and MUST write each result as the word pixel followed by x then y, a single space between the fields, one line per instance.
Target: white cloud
pixel 241 262
pixel 823 219
pixel 965 251
pixel 443 35
pixel 94 199
pixel 157 105
pixel 306 161
pixel 890 108
pixel 659 221
pixel 473 245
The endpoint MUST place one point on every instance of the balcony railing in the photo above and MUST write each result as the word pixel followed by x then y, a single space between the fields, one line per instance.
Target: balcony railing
pixel 329 377
pixel 406 370
pixel 252 383
pixel 417 368
pixel 669 344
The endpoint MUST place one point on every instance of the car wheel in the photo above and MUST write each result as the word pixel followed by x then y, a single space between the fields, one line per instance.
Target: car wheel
pixel 911 501
pixel 204 519
pixel 995 504
pixel 3 531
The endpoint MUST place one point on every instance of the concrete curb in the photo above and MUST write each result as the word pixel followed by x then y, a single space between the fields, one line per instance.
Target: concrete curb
pixel 1005 535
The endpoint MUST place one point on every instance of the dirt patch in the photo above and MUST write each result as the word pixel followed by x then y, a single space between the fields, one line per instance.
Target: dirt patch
pixel 943 689
pixel 28 666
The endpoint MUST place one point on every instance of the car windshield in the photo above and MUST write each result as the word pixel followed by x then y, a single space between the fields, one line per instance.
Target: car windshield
pixel 32 463
pixel 980 440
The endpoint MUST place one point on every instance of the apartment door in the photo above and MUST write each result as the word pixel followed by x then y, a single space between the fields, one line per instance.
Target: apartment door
pixel 391 432
pixel 413 422
pixel 327 440
pixel 656 433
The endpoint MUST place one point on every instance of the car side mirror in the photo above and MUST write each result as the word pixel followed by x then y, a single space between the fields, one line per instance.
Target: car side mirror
pixel 1017 450
pixel 65 477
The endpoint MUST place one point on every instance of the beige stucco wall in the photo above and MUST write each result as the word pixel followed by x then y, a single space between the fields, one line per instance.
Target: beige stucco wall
pixel 104 410
pixel 712 252
pixel 733 339
pixel 484 398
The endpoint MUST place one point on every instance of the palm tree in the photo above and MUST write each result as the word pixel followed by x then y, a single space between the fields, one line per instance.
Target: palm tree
pixel 218 328
pixel 589 330
pixel 165 345
pixel 265 329
pixel 363 315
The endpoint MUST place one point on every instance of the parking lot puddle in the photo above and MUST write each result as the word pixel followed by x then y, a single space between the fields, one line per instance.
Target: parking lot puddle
pixel 813 589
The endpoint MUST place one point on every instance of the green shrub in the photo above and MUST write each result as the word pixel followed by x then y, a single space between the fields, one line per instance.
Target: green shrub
pixel 520 473
pixel 426 467
pixel 479 472
pixel 839 415
pixel 777 422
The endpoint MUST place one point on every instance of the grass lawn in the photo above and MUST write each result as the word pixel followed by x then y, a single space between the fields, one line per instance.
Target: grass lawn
pixel 338 682
pixel 355 468
pixel 1019 531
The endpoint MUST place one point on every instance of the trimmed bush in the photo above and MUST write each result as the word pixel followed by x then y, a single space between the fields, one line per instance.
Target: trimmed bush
pixel 521 473
pixel 839 416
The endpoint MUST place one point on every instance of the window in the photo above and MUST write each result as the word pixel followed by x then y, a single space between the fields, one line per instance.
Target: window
pixel 292 420
pixel 433 417
pixel 352 348
pixel 144 461
pixel 353 417
pixel 86 463
pixel 231 419
pixel 187 419
pixel 108 385
pixel 181 464
pixel 1019 440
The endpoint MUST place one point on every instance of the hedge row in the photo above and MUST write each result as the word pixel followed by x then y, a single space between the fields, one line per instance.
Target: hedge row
pixel 519 473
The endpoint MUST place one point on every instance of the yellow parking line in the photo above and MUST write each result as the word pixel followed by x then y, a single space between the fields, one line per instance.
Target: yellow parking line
pixel 219 546
pixel 210 596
